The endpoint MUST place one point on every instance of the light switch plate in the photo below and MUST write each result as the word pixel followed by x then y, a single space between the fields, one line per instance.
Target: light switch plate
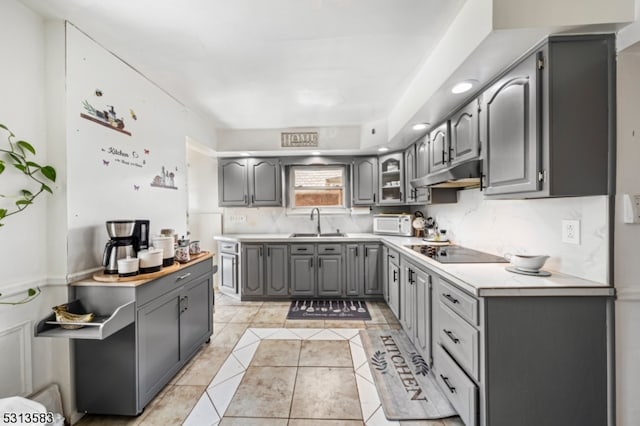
pixel 571 231
pixel 631 209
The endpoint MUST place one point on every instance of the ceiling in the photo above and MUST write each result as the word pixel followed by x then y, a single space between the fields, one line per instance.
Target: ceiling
pixel 257 64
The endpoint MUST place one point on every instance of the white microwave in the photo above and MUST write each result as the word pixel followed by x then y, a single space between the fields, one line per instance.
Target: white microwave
pixel 393 224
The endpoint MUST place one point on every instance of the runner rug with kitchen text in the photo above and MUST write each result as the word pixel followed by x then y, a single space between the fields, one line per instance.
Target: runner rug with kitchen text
pixel 402 377
pixel 336 309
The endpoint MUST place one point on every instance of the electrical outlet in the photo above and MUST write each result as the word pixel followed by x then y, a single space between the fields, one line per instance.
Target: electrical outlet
pixel 571 231
pixel 237 219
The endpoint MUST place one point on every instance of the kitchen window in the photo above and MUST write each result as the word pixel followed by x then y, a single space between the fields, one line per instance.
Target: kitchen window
pixel 317 186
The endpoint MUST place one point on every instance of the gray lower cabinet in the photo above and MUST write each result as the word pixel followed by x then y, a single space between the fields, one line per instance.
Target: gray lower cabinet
pixel 277 270
pixel 265 270
pixel 354 270
pixel 415 306
pixel 497 358
pixel 228 267
pixel 549 122
pixel 303 275
pixel 372 270
pixel 364 269
pixel 173 317
pixel 330 275
pixel 393 281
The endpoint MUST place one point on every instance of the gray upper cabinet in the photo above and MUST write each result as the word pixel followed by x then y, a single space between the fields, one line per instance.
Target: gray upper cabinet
pixel 439 148
pixel 513 144
pixel 365 180
pixel 265 184
pixel 249 182
pixel 422 168
pixel 464 141
pixel 232 182
pixel 391 179
pixel 550 121
pixel 410 173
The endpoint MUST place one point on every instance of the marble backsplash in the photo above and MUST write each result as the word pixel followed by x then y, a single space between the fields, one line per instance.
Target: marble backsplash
pixel 531 227
pixel 494 226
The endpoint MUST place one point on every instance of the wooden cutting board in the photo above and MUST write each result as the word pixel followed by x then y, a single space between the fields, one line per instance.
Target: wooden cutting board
pixel 114 278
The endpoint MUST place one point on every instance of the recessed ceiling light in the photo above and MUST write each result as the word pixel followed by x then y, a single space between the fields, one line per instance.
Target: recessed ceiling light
pixel 245 154
pixel 315 153
pixel 420 126
pixel 383 149
pixel 463 86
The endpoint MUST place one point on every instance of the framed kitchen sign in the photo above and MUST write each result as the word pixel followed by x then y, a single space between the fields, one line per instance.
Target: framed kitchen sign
pixel 298 139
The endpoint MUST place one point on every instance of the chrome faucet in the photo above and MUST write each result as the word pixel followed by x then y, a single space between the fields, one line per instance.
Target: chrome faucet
pixel 315 209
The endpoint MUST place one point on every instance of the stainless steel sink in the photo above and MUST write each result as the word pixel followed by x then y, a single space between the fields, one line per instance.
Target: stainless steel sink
pixel 313 235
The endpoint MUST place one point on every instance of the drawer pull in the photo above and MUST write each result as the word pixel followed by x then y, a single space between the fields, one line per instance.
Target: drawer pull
pixel 301 249
pixel 182 277
pixel 330 249
pixel 451 336
pixel 446 382
pixel 450 298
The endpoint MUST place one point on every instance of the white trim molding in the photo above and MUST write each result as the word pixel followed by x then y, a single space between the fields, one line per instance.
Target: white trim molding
pixel 628 294
pixel 15 352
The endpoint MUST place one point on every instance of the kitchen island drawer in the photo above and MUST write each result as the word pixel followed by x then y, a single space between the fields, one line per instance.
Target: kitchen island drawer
pixel 156 288
pixel 302 249
pixel 460 339
pixel 461 303
pixel 329 249
pixel 458 388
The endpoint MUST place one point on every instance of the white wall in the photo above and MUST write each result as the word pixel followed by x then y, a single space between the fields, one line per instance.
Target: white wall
pixel 627 241
pixel 530 227
pixel 28 364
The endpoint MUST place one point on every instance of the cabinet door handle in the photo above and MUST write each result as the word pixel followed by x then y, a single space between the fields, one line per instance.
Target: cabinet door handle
pixel 401 195
pixel 268 251
pixel 446 382
pixel 395 275
pixel 245 198
pixel 450 298
pixel 186 301
pixel 443 161
pixel 451 336
pixel 319 262
pixel 182 277
pixel 260 251
pixel 356 251
pixel 391 256
pixel 311 262
pixel 374 197
pixel 253 199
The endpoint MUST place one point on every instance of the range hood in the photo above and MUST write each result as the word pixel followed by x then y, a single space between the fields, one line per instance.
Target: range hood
pixel 467 174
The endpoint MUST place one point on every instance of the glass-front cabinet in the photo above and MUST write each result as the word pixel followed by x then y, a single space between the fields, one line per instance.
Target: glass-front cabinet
pixel 391 179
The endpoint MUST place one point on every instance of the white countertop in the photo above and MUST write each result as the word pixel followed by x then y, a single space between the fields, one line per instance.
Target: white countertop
pixel 479 279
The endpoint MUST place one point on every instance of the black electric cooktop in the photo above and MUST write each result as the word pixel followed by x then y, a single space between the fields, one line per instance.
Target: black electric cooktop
pixel 456 254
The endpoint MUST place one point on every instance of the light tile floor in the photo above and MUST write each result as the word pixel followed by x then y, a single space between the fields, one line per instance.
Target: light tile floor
pixel 262 369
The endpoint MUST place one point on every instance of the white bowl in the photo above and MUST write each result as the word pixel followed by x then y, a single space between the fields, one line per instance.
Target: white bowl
pixel 128 266
pixel 526 262
pixel 150 260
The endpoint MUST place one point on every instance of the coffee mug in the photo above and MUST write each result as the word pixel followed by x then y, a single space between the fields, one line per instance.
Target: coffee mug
pixel 194 247
pixel 182 253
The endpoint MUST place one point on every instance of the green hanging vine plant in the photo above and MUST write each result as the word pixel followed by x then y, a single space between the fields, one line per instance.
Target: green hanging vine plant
pixel 17 155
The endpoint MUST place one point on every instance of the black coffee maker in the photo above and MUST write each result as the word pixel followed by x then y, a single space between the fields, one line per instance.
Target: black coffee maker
pixel 127 238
